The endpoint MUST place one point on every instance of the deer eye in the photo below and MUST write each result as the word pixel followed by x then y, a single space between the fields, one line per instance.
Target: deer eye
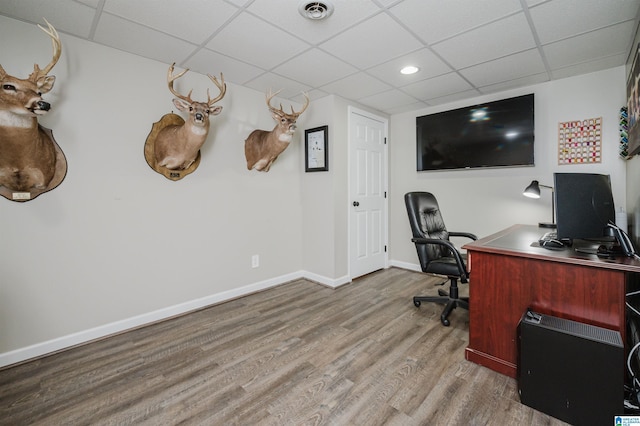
pixel 190 108
pixel 9 87
pixel 206 111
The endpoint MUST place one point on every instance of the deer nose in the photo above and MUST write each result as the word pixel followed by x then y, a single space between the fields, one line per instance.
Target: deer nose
pixel 44 106
pixel 199 116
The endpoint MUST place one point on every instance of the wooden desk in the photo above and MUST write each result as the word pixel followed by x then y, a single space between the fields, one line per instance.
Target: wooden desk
pixel 510 272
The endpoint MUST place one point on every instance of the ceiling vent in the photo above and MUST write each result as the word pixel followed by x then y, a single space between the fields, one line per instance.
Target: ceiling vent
pixel 315 10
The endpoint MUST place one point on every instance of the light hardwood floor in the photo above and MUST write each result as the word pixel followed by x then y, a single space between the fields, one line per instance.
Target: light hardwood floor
pixel 298 354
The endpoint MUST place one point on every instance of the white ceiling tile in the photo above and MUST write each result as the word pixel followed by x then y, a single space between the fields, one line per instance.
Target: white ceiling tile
pixel 65 15
pixel 357 86
pixel 559 19
pixel 488 42
pixel 388 100
pixel 93 3
pixel 436 20
pixel 252 40
pixel 190 20
pixel 372 42
pixel 589 66
pixel 284 14
pixel 596 44
pixel 289 89
pixel 437 86
pixel 315 68
pixel 452 97
pixel 428 62
pixel 116 32
pixel 205 61
pixel 406 108
pixel 266 43
pixel 239 2
pixel 516 83
pixel 505 69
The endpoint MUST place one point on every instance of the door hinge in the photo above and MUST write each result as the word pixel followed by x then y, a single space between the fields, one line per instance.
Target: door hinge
pixel 385 194
pixel 385 249
pixel 385 141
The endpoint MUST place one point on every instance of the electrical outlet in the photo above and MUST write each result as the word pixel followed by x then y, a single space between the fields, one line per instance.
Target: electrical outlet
pixel 255 261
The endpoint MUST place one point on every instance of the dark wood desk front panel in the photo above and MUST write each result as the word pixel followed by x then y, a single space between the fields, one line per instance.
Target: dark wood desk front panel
pixel 509 275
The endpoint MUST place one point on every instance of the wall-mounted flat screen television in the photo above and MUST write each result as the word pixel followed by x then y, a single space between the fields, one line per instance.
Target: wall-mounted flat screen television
pixel 493 134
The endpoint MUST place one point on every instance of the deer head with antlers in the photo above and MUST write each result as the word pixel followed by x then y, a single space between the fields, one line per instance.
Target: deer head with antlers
pixel 30 160
pixel 178 145
pixel 262 147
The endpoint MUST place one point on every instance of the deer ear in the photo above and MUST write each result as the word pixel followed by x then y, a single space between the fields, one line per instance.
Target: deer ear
pixel 181 104
pixel 45 83
pixel 215 110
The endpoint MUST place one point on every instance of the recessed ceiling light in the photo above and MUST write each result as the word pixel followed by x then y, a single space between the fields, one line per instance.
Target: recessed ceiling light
pixel 315 10
pixel 409 70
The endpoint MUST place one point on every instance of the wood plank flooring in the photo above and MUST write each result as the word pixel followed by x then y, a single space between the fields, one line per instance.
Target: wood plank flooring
pixel 297 354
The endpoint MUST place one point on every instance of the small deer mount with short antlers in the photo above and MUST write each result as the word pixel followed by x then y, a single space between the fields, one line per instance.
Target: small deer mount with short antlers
pixel 262 147
pixel 173 145
pixel 31 162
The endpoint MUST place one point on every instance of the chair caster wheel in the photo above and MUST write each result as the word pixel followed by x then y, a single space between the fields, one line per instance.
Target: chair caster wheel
pixel 445 322
pixel 417 303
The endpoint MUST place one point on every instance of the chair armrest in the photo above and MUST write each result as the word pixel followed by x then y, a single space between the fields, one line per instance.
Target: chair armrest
pixel 451 247
pixel 463 234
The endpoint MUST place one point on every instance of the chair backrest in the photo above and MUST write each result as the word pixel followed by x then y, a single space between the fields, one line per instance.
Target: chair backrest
pixel 426 222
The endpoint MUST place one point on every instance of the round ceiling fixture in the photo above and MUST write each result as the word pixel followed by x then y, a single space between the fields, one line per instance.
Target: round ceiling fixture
pixel 315 10
pixel 410 69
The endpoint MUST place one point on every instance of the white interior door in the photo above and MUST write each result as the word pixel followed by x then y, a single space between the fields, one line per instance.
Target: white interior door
pixel 367 193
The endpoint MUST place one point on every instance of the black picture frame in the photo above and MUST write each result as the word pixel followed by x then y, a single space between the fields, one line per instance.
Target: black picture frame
pixel 316 149
pixel 633 106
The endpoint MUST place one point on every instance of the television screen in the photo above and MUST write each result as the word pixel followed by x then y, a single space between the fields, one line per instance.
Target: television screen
pixel 493 134
pixel 584 205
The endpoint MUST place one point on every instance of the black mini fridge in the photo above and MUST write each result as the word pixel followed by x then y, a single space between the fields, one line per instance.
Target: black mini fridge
pixel 570 370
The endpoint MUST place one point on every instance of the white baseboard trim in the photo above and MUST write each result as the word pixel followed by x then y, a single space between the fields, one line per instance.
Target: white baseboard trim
pixel 85 336
pixel 333 283
pixel 406 265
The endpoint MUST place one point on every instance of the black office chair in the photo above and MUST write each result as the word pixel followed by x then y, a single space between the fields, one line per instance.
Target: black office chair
pixel 436 253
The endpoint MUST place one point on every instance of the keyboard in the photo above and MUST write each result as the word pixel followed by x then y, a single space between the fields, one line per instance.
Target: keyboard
pixel 550 240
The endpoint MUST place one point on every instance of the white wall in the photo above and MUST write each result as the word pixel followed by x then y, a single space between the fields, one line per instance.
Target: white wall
pixel 117 244
pixel 485 201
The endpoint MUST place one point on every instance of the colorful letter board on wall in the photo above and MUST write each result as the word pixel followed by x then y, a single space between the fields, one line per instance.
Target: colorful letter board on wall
pixel 580 142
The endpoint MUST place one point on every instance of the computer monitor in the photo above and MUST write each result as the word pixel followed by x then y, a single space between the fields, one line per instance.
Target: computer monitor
pixel 584 206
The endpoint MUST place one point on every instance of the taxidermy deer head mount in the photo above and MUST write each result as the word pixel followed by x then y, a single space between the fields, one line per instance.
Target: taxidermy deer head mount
pixel 30 160
pixel 177 146
pixel 262 148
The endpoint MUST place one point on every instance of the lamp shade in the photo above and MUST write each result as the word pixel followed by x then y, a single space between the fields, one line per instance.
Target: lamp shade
pixel 533 190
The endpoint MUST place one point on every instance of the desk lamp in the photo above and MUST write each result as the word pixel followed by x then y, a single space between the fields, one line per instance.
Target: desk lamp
pixel 533 191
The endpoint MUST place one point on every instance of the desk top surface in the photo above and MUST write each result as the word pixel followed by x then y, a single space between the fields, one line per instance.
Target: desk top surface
pixel 522 241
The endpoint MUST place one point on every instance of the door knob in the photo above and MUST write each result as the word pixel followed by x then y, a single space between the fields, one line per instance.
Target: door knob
pixel 356 204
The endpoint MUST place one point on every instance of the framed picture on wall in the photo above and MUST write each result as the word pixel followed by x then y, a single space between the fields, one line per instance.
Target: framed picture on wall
pixel 316 149
pixel 633 105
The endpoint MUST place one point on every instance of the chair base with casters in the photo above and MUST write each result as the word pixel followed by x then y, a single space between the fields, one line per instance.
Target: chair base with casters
pixel 436 253
pixel 450 299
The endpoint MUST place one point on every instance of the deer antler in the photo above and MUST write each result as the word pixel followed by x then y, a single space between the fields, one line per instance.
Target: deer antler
pixel 57 51
pixel 171 79
pixel 280 111
pixel 304 107
pixel 222 86
pixel 270 96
